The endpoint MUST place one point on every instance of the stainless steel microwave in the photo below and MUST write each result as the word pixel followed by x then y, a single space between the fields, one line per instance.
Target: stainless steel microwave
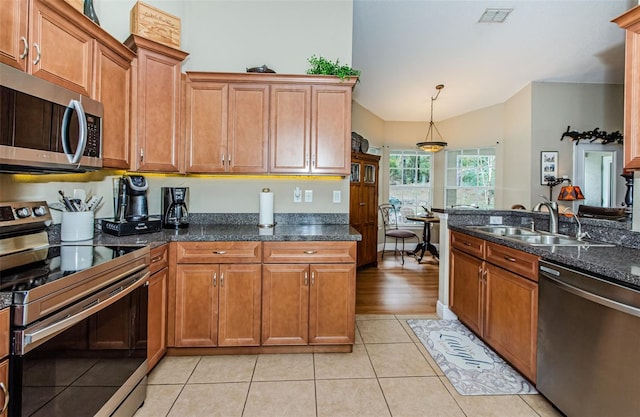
pixel 47 128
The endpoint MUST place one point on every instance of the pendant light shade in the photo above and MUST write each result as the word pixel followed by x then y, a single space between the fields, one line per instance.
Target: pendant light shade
pixel 430 145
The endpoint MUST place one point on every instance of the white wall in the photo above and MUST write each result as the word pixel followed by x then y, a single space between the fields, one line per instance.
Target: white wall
pixel 225 36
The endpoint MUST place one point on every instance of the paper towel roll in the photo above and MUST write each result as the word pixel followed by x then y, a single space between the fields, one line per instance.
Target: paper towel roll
pixel 266 208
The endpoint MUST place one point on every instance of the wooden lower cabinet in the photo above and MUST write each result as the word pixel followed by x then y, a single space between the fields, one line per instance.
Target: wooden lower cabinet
pixel 4 362
pixel 308 303
pixel 4 386
pixel 217 305
pixel 157 317
pixel 496 303
pixel 466 289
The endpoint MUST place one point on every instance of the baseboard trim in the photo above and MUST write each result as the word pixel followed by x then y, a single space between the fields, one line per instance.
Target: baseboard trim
pixel 444 312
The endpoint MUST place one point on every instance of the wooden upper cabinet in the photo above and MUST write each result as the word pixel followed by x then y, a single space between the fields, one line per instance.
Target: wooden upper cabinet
pixel 630 21
pixel 206 117
pixel 331 130
pixel 112 87
pixel 248 137
pixel 50 44
pixel 281 124
pixel 157 107
pixel 290 130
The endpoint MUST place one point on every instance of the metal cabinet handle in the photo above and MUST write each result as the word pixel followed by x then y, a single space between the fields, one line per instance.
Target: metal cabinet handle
pixel 25 50
pixel 219 252
pixel 310 252
pixel 6 397
pixel 141 154
pixel 466 243
pixel 509 258
pixel 156 259
pixel 215 279
pixel 222 280
pixel 313 278
pixel 363 204
pixel 37 47
pixel 306 279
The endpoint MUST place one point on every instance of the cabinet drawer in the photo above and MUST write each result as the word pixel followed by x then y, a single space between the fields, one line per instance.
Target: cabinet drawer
pixel 469 244
pixel 159 258
pixel 218 252
pixel 309 252
pixel 513 260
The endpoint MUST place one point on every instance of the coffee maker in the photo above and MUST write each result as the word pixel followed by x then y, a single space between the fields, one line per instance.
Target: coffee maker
pixel 174 207
pixel 136 187
pixel 132 210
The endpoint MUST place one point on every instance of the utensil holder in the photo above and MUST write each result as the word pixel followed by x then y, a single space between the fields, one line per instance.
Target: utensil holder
pixel 77 226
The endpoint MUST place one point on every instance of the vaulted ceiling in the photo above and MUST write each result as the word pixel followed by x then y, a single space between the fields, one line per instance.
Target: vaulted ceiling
pixel 405 48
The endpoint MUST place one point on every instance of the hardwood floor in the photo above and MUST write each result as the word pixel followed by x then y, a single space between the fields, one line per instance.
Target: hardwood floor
pixel 393 288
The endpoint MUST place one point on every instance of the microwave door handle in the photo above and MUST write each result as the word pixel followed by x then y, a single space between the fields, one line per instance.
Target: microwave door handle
pixel 74 105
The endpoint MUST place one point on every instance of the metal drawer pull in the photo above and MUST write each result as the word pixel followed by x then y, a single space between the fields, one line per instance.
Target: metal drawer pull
pixel 222 280
pixel 310 252
pixel 156 259
pixel 509 258
pixel 25 51
pixel 313 278
pixel 215 278
pixel 35 61
pixel 466 243
pixel 219 252
pixel 6 397
pixel 306 279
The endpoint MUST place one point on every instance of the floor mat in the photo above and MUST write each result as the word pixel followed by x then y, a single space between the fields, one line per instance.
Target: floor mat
pixel 470 365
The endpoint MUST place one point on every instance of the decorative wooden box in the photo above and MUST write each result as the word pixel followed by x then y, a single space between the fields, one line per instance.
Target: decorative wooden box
pixel 155 24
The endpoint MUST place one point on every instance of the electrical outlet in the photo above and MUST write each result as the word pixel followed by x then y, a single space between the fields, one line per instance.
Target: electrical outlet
pixel 297 195
pixel 495 219
pixel 337 197
pixel 308 196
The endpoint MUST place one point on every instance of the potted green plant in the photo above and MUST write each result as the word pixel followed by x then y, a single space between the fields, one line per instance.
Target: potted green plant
pixel 323 66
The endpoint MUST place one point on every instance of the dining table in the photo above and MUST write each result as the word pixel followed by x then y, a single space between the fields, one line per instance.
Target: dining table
pixel 426 244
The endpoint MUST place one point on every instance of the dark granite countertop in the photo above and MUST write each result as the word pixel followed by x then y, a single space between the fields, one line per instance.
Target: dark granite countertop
pixel 238 232
pixel 617 263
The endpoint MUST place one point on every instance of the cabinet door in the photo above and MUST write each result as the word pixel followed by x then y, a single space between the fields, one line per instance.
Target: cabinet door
pixel 112 87
pixel 239 310
pixel 196 317
pixel 290 120
pixel 157 317
pixel 285 304
pixel 59 51
pixel 248 137
pixel 158 106
pixel 206 127
pixel 331 130
pixel 465 287
pixel 511 318
pixel 332 304
pixel 14 45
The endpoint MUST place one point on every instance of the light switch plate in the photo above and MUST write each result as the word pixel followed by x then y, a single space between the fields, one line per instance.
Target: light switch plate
pixel 337 197
pixel 495 219
pixel 308 196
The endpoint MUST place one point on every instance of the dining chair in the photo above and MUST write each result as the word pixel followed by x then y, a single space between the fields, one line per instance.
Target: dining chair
pixel 390 220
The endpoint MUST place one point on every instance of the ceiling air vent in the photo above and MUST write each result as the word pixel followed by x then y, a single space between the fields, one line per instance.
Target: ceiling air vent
pixel 493 15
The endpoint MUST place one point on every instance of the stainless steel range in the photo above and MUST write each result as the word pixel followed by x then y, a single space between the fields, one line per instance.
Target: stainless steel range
pixel 78 320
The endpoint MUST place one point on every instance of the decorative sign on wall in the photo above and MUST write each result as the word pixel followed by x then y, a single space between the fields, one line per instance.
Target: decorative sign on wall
pixel 595 135
pixel 548 166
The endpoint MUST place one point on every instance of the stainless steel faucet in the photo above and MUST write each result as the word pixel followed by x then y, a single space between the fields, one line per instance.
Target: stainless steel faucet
pixel 579 233
pixel 552 206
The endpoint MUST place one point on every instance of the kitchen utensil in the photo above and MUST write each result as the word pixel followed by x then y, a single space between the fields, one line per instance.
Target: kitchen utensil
pixel 66 202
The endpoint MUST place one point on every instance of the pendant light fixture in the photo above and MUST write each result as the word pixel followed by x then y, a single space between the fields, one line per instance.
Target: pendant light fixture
pixel 429 145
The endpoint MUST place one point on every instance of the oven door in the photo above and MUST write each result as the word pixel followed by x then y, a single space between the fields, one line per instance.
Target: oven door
pixel 85 360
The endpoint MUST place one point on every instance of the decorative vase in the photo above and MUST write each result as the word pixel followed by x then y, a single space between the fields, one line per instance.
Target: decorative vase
pixel 90 12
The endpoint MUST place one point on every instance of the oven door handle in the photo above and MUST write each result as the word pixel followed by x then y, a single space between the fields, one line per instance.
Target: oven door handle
pixel 31 340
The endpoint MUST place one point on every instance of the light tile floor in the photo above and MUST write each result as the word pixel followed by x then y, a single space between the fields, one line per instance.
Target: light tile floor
pixel 389 373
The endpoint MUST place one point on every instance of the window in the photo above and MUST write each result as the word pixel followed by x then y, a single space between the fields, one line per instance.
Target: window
pixel 410 186
pixel 470 177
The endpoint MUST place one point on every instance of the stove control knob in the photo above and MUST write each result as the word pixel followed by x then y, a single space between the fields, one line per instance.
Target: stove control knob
pixel 39 211
pixel 23 212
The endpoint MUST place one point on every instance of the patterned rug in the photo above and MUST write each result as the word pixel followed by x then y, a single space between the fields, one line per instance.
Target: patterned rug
pixel 471 366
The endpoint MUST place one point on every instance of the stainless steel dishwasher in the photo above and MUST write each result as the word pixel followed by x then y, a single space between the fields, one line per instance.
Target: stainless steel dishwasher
pixel 588 343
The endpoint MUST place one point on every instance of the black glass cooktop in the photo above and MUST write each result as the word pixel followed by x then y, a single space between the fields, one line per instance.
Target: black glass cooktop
pixel 26 270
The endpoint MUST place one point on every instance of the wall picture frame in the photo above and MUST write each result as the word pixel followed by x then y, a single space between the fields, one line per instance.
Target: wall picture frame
pixel 548 166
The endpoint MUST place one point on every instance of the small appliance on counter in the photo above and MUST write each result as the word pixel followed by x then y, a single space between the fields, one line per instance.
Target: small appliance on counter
pixel 132 210
pixel 175 214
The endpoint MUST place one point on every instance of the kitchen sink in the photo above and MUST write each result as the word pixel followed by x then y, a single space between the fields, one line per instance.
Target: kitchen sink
pixel 534 237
